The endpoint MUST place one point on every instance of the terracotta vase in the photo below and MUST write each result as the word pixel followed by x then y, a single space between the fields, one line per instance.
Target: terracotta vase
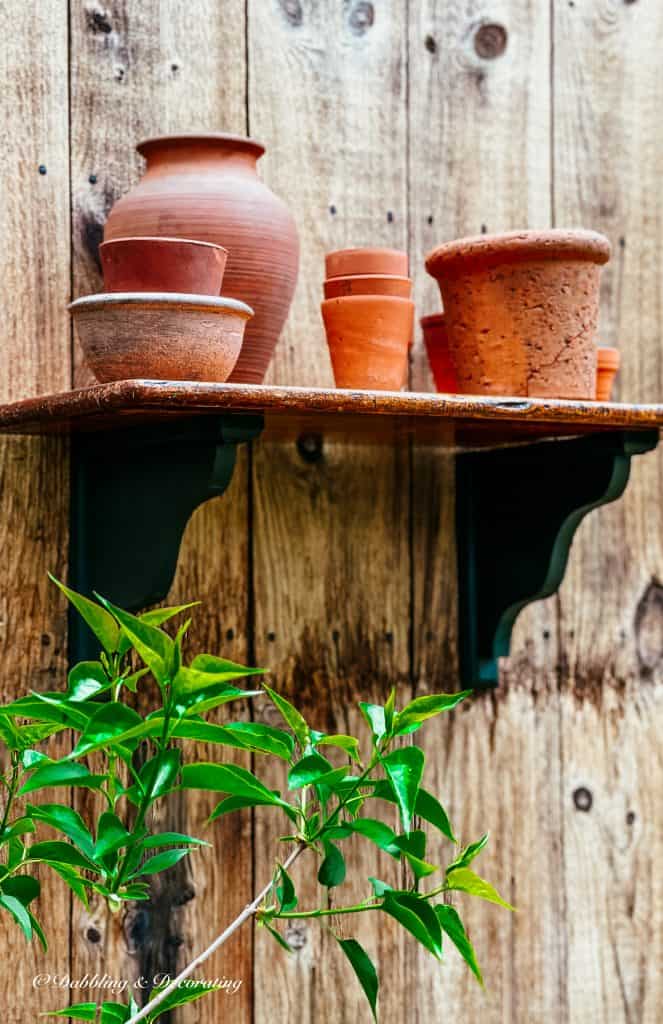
pixel 206 187
pixel 368 338
pixel 346 262
pixel 162 265
pixel 521 311
pixel 437 350
pixel 127 335
pixel 607 365
pixel 368 284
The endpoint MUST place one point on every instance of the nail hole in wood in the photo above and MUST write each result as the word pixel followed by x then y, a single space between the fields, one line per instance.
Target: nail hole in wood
pixel 490 41
pixel 582 798
pixel 309 447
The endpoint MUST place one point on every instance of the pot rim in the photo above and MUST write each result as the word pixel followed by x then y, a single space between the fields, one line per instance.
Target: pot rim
pixel 432 319
pixel 516 247
pixel 368 277
pixel 163 238
pixel 164 300
pixel 219 139
pixel 372 299
pixel 608 358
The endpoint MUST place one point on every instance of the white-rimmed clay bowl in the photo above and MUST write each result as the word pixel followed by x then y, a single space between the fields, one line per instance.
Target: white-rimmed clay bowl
pixel 164 336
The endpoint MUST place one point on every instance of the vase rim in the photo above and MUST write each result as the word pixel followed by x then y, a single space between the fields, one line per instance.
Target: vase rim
pixel 145 146
pixel 519 246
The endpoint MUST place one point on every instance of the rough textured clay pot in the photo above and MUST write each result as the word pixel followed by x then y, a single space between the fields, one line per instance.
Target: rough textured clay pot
pixel 368 338
pixel 607 364
pixel 437 350
pixel 347 262
pixel 368 284
pixel 206 187
pixel 160 336
pixel 162 265
pixel 521 311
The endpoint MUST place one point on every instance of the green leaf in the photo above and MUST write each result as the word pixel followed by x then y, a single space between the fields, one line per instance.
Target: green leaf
pixel 187 993
pixel 426 806
pixel 110 723
pixel 171 838
pixel 131 681
pixel 413 848
pixel 227 778
pixel 50 707
pixel 111 835
pixel 308 771
pixel 160 862
pixel 405 768
pixel 376 831
pixel 277 935
pixel 464 880
pixel 19 827
pixel 451 923
pixel 347 743
pixel 38 931
pixel 18 912
pixel 60 773
pixel 238 803
pixel 374 715
pixel 207 676
pixel 285 892
pixel 332 869
pixel 363 967
pixel 418 710
pixel 56 852
pixel 380 888
pixel 418 917
pixel 158 775
pixel 291 716
pixel 86 680
pixel 155 617
pixel 98 619
pixel 77 884
pixel 111 1013
pixel 23 888
pixel 67 821
pixel 466 856
pixel 214 697
pixel 153 646
pixel 389 710
pixel 263 738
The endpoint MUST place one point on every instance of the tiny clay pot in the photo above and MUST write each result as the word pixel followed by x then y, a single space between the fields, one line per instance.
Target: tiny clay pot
pixel 521 311
pixel 368 338
pixel 128 335
pixel 350 262
pixel 607 365
pixel 162 265
pixel 437 350
pixel 368 284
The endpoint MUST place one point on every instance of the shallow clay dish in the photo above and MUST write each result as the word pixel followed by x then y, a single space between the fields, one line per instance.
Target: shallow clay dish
pixel 162 265
pixel 164 337
pixel 368 284
pixel 521 311
pixel 345 262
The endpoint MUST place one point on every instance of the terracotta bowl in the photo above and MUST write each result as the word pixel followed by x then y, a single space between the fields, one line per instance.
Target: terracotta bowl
pixel 607 365
pixel 521 311
pixel 368 338
pixel 162 265
pixel 368 284
pixel 163 337
pixel 346 262
pixel 437 349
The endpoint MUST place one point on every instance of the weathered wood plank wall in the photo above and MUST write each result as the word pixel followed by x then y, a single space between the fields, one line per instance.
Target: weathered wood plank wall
pixel 404 124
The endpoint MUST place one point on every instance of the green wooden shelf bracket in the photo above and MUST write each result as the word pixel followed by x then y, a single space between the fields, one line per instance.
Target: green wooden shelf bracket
pixel 133 492
pixel 517 510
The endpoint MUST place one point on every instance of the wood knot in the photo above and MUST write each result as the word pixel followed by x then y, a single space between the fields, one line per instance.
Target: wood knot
pixel 430 44
pixel 296 935
pixel 97 21
pixel 583 799
pixel 309 447
pixel 93 935
pixel 293 12
pixel 648 626
pixel 490 41
pixel 362 17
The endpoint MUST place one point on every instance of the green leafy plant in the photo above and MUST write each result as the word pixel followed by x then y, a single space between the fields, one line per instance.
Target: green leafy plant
pixel 134 760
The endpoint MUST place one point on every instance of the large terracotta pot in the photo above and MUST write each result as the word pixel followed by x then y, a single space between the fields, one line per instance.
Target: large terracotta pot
pixel 521 311
pixel 206 187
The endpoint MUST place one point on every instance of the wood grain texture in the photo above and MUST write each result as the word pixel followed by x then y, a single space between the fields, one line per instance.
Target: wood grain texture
pixel 606 87
pixel 141 69
pixel 34 357
pixel 327 94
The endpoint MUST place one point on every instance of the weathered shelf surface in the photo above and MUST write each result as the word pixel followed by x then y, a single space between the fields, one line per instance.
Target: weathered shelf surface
pixel 452 421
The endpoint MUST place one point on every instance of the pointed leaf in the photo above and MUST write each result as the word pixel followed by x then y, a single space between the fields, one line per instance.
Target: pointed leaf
pixel 263 738
pixel 363 967
pixel 405 768
pixel 451 924
pixel 56 852
pixel 291 716
pixel 87 680
pixel 230 778
pixel 23 888
pixel 466 856
pixel 413 848
pixel 18 912
pixel 109 723
pixel 155 617
pixel 158 775
pixel 171 838
pixel 277 935
pixel 61 773
pixel 160 862
pixel 418 710
pixel 418 917
pixel 188 993
pixel 347 743
pixel 374 715
pixel 111 835
pixel 102 624
pixel 426 806
pixel 67 821
pixel 285 892
pixel 308 771
pixel 153 646
pixel 332 870
pixel 379 887
pixel 464 880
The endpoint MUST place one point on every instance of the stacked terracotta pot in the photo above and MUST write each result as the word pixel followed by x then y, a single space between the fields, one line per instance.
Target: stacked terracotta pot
pixel 520 315
pixel 368 316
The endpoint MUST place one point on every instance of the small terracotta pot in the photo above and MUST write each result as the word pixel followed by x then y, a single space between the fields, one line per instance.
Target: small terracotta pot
pixel 346 262
pixel 368 338
pixel 521 311
pixel 368 284
pixel 160 336
pixel 162 265
pixel 437 350
pixel 607 364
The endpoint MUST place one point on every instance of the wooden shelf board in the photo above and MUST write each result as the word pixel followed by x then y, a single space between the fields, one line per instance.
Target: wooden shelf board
pixel 452 421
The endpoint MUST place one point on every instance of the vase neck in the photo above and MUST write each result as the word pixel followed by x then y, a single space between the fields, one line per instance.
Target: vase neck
pixel 198 152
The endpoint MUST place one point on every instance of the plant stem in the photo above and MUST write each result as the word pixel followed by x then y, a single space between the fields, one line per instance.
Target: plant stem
pixel 328 911
pixel 248 912
pixel 11 792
